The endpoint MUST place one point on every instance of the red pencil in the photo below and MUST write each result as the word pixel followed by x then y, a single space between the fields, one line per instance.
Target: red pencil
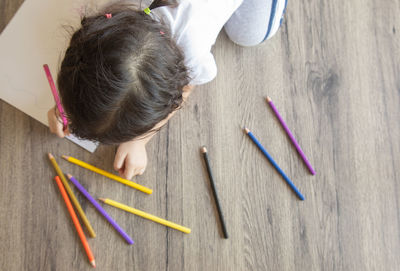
pixel 76 221
pixel 55 95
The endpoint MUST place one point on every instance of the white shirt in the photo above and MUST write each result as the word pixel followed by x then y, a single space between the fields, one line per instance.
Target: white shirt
pixel 195 25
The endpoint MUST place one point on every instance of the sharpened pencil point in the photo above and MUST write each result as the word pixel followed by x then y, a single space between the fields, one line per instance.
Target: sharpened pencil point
pixel 268 99
pixel 69 176
pixel 93 263
pixel 50 155
pixel 246 130
pixel 101 199
pixel 65 157
pixel 203 149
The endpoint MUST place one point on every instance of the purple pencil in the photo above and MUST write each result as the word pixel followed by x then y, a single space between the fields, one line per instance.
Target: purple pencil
pixel 297 146
pixel 100 209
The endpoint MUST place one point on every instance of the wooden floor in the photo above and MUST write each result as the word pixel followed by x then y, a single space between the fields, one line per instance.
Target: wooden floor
pixel 333 72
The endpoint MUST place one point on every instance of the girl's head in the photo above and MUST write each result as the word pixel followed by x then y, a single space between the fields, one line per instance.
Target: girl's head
pixel 121 75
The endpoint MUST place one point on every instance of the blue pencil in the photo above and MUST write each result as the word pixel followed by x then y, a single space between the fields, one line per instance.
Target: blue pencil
pixel 289 182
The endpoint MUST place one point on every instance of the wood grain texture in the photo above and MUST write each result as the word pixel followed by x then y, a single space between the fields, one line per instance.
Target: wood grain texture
pixel 332 71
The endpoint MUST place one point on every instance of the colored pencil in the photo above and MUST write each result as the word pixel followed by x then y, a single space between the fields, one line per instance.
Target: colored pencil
pixel 214 191
pixel 145 215
pixel 55 95
pixel 289 133
pixel 76 222
pixel 108 174
pixel 280 171
pixel 100 209
pixel 72 196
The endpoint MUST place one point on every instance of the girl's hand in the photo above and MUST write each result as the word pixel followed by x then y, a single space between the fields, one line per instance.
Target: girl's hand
pixel 131 159
pixel 55 123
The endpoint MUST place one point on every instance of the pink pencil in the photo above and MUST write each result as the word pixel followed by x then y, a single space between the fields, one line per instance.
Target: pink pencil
pixel 286 128
pixel 55 95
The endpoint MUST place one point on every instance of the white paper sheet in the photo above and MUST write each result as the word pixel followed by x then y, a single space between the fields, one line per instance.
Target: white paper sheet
pixel 36 36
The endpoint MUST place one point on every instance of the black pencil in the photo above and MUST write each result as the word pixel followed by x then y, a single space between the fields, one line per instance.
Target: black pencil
pixel 221 217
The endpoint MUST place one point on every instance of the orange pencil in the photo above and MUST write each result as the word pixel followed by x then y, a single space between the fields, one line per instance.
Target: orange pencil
pixel 76 221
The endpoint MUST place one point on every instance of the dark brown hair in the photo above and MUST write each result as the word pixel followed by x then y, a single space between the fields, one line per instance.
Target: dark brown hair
pixel 121 75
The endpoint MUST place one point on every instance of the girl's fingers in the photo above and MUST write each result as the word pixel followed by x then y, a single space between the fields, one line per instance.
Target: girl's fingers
pixel 55 126
pixel 119 161
pixel 129 172
pixel 59 131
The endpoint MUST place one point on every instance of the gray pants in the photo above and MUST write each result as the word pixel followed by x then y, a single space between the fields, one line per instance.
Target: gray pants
pixel 255 21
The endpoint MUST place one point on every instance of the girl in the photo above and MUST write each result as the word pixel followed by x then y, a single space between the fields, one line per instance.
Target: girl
pixel 127 70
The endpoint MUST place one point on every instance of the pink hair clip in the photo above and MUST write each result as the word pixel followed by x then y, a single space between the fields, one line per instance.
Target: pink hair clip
pixel 162 33
pixel 108 15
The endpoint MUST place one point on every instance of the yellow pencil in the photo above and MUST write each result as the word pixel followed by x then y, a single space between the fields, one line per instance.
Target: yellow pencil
pixel 108 174
pixel 146 215
pixel 72 196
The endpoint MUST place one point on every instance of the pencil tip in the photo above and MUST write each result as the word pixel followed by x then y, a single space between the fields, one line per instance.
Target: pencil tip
pixel 65 157
pixel 93 263
pixel 246 130
pixel 203 149
pixel 69 176
pixel 50 155
pixel 101 199
pixel 268 99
